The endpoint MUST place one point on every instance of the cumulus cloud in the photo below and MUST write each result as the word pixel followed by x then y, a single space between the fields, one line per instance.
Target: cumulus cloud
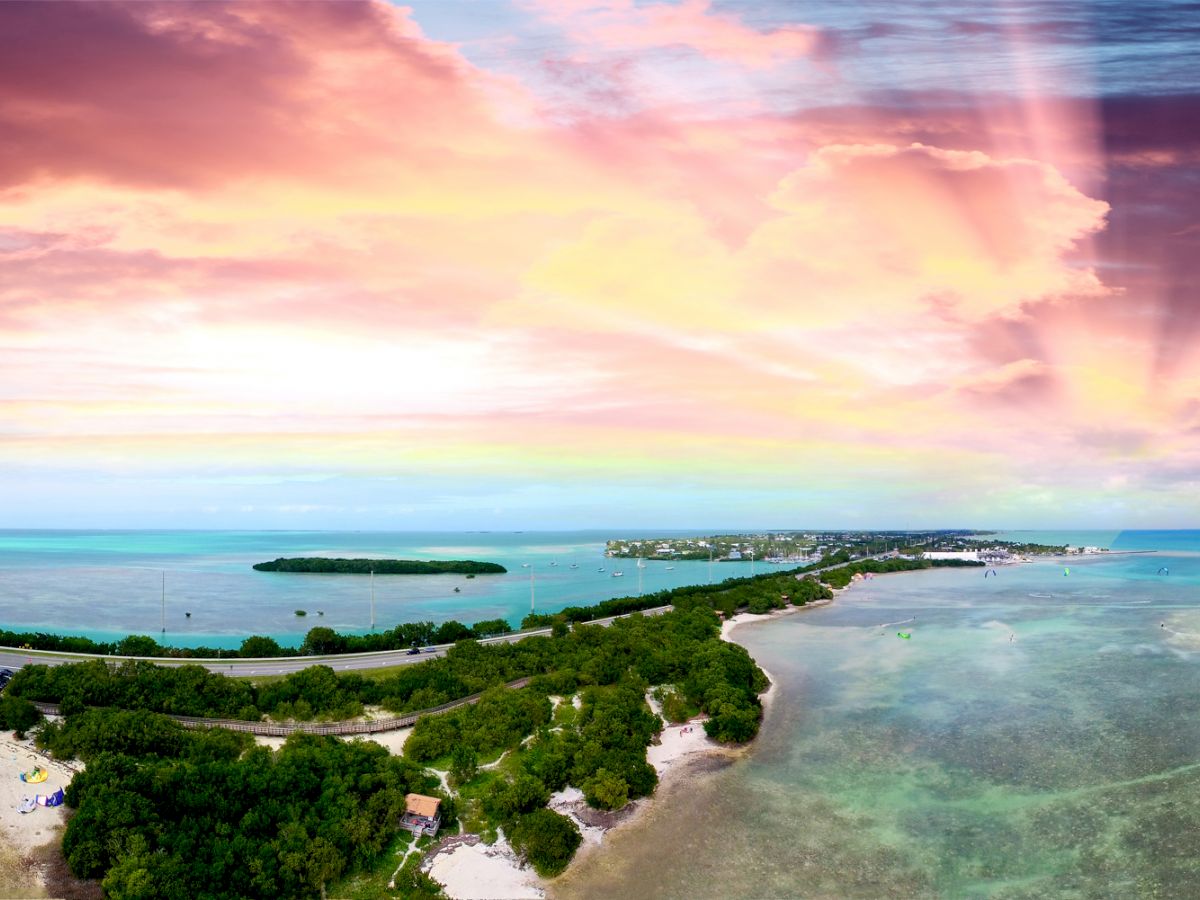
pixel 885 226
pixel 188 94
pixel 859 231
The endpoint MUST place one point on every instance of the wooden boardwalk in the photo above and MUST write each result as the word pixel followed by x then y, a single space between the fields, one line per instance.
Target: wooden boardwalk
pixel 283 729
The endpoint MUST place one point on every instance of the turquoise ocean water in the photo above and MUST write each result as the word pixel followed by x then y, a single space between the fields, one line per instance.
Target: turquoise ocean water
pixel 1038 736
pixel 108 584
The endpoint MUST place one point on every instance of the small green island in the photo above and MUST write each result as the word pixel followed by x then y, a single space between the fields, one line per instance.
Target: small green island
pixel 320 565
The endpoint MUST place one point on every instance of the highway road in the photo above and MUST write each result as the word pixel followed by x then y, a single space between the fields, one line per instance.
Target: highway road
pixel 249 668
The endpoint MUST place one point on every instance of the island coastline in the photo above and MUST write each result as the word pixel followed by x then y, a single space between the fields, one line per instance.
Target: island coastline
pixel 683 752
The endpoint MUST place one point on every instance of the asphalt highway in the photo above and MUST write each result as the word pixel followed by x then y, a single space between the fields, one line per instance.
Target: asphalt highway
pixel 248 668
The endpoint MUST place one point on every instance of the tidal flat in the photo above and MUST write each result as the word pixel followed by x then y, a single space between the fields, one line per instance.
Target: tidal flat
pixel 1038 736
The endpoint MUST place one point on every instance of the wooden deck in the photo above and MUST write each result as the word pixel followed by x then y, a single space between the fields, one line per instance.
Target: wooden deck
pixel 283 729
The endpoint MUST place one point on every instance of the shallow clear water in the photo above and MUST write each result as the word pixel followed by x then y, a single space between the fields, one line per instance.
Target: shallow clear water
pixel 108 584
pixel 1038 736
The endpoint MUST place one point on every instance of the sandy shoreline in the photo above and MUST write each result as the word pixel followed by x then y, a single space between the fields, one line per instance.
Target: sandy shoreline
pixel 22 833
pixel 471 870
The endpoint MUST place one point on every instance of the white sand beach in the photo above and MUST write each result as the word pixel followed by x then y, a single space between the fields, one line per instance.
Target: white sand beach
pixel 25 831
pixel 22 833
pixel 677 742
pixel 469 869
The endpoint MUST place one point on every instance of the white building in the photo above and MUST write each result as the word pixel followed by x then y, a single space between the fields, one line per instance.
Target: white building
pixel 972 555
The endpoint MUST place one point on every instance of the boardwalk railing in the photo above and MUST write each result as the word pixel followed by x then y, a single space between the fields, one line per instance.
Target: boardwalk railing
pixel 283 729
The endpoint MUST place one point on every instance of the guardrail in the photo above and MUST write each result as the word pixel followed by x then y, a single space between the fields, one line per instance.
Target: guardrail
pixel 283 729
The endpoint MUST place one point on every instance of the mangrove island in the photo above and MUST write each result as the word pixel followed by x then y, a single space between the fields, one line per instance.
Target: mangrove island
pixel 319 565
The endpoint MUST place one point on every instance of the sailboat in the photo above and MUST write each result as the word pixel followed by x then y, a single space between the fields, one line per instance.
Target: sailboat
pixel 670 568
pixel 574 565
pixel 616 574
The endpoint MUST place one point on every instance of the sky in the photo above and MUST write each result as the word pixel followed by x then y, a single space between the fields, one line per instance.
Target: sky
pixel 599 263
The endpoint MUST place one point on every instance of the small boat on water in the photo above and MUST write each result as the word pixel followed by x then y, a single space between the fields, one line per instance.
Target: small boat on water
pixel 601 569
pixel 574 565
pixel 670 568
pixel 617 574
pixel 524 565
pixel 553 563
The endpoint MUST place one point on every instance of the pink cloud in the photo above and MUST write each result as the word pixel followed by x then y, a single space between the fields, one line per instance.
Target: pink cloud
pixel 627 26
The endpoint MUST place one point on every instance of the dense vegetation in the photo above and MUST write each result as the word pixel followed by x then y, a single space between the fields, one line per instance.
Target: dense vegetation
pixel 164 812
pixel 841 576
pixel 18 714
pixel 323 566
pixel 726 597
pixel 589 655
pixel 319 640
